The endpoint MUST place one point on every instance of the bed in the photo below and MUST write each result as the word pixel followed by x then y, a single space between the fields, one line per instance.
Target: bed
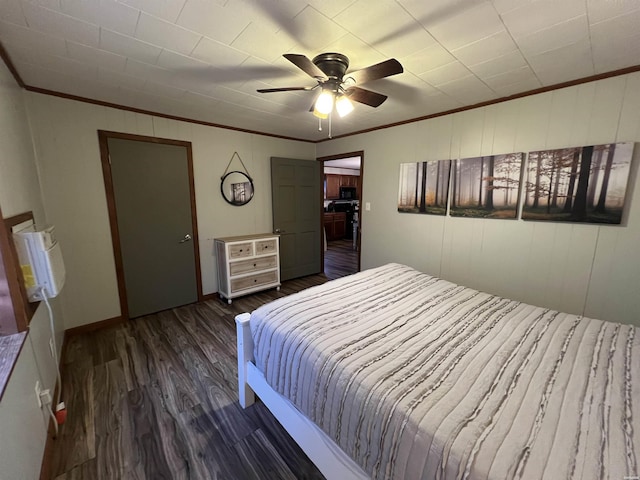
pixel 395 374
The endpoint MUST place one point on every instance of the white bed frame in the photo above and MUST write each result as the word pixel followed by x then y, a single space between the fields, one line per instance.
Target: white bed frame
pixel 321 450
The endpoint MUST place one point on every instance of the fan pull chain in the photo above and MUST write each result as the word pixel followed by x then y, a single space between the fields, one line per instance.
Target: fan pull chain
pixel 319 124
pixel 330 116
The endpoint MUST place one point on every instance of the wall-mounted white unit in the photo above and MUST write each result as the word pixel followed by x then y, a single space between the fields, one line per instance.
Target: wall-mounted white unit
pixel 41 262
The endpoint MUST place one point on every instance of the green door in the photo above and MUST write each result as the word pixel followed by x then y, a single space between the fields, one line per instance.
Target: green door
pixel 152 193
pixel 295 193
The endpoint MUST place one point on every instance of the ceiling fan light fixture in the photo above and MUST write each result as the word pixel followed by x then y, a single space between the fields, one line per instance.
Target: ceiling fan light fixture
pixel 321 116
pixel 339 88
pixel 344 106
pixel 324 103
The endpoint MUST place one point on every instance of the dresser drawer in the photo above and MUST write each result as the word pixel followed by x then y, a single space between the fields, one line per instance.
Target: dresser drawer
pixel 240 250
pixel 252 281
pixel 266 246
pixel 247 264
pixel 252 265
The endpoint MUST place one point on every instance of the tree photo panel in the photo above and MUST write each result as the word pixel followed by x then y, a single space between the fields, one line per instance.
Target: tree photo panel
pixel 486 186
pixel 424 187
pixel 578 184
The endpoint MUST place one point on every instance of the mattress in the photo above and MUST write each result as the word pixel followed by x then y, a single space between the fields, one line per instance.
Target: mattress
pixel 415 377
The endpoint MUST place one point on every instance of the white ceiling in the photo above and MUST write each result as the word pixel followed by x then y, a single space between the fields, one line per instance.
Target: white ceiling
pixel 204 59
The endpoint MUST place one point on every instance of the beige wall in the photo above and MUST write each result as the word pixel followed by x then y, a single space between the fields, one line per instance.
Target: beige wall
pixel 66 142
pixel 22 424
pixel 587 269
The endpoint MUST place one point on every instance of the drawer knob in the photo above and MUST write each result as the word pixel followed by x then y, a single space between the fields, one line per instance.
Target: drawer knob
pixel 255 264
pixel 255 280
pixel 240 249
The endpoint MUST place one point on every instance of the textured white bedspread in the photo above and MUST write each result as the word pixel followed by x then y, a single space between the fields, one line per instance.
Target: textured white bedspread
pixel 418 378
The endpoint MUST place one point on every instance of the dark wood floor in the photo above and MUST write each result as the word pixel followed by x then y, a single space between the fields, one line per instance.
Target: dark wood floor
pixel 156 398
pixel 340 259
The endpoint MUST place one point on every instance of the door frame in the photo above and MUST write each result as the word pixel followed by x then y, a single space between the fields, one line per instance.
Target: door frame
pixel 338 156
pixel 103 137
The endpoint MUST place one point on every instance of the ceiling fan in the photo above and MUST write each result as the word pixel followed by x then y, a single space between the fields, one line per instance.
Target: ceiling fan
pixel 339 88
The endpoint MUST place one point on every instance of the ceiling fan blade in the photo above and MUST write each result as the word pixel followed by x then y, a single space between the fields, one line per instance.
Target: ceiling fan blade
pixel 284 89
pixel 374 72
pixel 306 65
pixel 367 97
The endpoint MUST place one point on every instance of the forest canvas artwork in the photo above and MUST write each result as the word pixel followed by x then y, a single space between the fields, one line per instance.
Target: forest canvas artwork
pixel 487 186
pixel 578 184
pixel 424 187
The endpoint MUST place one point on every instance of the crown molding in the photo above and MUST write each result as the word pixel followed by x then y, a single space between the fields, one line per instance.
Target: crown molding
pixel 557 86
pixel 601 76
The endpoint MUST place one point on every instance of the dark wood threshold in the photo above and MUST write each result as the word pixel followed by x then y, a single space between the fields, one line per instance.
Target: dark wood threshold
pixel 10 348
pixel 90 327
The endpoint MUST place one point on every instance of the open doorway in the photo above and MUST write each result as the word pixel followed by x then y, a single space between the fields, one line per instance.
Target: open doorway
pixel 342 192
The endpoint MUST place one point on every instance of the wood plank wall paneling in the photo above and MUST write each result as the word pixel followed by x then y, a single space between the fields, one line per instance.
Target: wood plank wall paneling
pixel 585 269
pixel 66 131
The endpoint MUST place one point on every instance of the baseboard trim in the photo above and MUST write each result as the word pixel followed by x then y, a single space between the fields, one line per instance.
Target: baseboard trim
pixel 210 296
pixel 91 327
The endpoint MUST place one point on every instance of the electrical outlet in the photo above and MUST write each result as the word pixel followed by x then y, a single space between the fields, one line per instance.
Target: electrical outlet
pixel 45 397
pixel 38 390
pixel 51 347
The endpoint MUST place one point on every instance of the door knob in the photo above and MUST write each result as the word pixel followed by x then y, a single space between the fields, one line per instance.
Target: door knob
pixel 279 231
pixel 186 238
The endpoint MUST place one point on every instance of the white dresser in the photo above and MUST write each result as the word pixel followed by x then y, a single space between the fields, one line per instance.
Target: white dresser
pixel 247 264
